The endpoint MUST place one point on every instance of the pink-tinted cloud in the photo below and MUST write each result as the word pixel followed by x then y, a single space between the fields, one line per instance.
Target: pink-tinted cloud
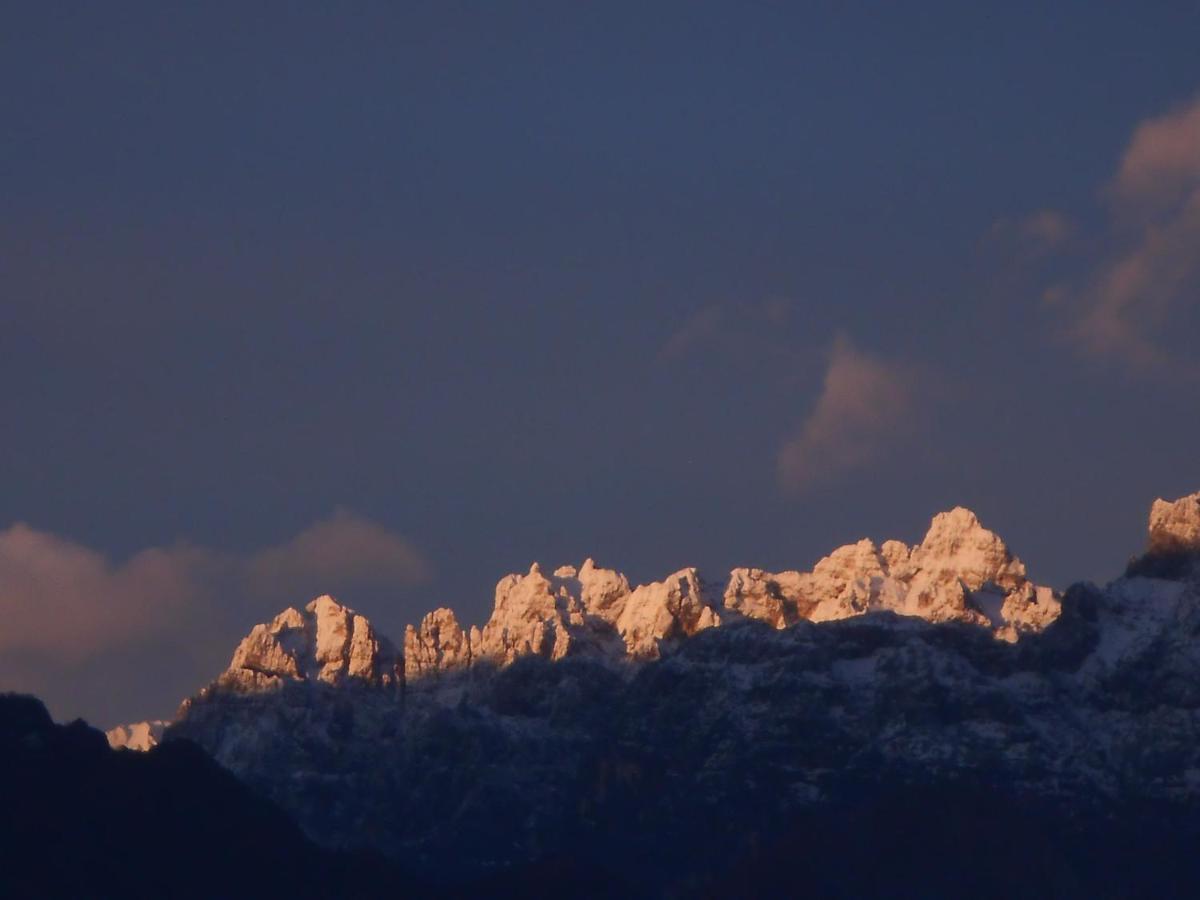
pixel 335 555
pixel 866 407
pixel 1161 165
pixel 60 598
pixel 66 609
pixel 1139 289
pixel 1132 299
pixel 1032 236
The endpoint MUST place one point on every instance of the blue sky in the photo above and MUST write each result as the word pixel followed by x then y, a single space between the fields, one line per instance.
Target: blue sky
pixel 470 285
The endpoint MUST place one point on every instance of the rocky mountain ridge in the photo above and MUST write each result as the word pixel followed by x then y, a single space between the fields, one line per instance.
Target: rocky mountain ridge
pixel 960 572
pixel 591 718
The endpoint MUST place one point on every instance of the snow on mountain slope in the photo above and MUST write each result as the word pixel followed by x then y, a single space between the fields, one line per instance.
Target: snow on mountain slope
pixel 960 572
pixel 586 710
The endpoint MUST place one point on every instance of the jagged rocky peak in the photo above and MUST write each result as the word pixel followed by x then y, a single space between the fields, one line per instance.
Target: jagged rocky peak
pixel 601 590
pixel 528 618
pixel 324 642
pixel 657 614
pixel 607 616
pixel 1175 525
pixel 960 572
pixel 438 643
pixel 578 610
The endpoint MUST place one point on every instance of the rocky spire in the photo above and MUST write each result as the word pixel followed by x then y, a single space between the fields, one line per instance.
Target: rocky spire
pixel 437 644
pixel 657 614
pixel 324 642
pixel 1175 525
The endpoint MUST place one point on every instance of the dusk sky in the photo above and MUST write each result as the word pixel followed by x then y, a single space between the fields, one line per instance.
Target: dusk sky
pixel 388 300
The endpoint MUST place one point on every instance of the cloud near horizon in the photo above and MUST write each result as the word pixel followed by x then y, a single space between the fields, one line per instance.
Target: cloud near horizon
pixel 338 554
pixel 66 607
pixel 60 598
pixel 865 408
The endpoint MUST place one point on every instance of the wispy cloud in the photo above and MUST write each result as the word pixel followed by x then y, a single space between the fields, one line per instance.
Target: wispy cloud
pixel 1155 198
pixel 732 323
pixel 696 331
pixel 336 555
pixel 1161 166
pixel 1032 236
pixel 60 598
pixel 1148 274
pixel 865 408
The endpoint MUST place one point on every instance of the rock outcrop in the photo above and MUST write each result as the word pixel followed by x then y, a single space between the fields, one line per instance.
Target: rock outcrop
pixel 578 611
pixel 657 615
pixel 529 618
pixel 437 644
pixel 1175 525
pixel 325 642
pixel 592 611
pixel 137 735
pixel 960 572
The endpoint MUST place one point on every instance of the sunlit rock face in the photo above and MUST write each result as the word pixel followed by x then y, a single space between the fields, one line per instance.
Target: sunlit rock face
pixel 591 715
pixel 325 642
pixel 437 644
pixel 1175 525
pixel 960 572
pixel 578 611
pixel 529 618
pixel 772 597
pixel 663 613
pixel 137 735
pixel 591 611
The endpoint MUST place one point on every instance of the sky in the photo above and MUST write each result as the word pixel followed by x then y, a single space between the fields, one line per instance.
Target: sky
pixel 389 300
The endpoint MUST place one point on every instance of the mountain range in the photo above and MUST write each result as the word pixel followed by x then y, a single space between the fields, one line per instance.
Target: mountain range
pixel 917 721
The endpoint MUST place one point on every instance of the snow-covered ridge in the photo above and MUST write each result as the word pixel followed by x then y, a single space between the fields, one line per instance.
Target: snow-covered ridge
pixel 324 642
pixel 939 661
pixel 960 572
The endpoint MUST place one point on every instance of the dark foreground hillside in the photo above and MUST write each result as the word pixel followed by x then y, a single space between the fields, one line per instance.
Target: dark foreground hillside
pixel 80 820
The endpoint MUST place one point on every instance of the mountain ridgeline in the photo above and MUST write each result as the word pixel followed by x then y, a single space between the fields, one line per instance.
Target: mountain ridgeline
pixel 900 721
